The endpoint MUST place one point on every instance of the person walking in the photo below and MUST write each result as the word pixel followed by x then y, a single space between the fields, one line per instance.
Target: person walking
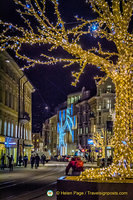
pixel 43 159
pixel 37 159
pixel 77 166
pixel 3 162
pixel 32 161
pixel 10 160
pixel 20 160
pixel 25 159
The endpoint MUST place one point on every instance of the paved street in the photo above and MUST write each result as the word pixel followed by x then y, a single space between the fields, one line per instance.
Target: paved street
pixel 28 184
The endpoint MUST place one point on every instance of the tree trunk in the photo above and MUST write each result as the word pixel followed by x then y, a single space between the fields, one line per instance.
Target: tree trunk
pixel 123 125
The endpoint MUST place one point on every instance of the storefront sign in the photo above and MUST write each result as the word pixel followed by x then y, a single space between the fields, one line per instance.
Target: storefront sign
pixel 10 142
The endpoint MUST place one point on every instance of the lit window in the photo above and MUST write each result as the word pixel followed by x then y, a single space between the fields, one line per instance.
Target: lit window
pixel 108 103
pixel 16 131
pixel 19 132
pixel 86 129
pixel 26 135
pixel 5 127
pixel 9 129
pixel 109 88
pixel 12 130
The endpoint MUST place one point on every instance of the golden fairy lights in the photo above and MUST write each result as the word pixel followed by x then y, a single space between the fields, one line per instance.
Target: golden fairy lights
pixel 112 23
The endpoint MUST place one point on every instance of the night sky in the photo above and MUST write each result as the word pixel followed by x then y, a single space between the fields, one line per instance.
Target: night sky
pixel 53 83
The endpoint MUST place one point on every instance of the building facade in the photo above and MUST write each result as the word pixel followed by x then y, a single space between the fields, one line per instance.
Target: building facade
pixel 105 112
pixel 15 109
pixel 37 141
pixel 53 135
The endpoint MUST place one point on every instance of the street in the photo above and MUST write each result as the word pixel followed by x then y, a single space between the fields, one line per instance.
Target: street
pixel 26 183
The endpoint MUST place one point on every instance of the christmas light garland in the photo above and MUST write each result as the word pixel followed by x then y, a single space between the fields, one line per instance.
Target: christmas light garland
pixel 112 24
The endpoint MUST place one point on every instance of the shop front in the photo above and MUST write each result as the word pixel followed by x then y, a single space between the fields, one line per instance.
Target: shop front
pixel 28 146
pixel 2 147
pixel 11 148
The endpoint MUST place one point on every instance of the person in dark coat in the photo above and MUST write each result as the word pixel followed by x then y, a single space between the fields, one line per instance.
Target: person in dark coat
pixel 43 159
pixel 20 160
pixel 32 161
pixel 10 160
pixel 37 159
pixel 25 159
pixel 3 162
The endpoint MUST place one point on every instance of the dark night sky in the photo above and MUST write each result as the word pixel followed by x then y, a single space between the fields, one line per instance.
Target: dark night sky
pixel 53 83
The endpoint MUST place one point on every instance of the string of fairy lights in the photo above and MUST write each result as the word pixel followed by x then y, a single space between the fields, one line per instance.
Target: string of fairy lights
pixel 112 23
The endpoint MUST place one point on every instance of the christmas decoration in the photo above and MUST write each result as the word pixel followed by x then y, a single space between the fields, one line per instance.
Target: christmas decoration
pixel 112 23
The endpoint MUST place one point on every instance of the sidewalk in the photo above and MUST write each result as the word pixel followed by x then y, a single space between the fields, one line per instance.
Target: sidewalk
pixel 50 163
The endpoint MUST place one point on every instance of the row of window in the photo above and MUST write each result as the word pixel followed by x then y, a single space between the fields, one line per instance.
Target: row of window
pixel 84 130
pixel 106 104
pixel 83 118
pixel 11 100
pixel 11 130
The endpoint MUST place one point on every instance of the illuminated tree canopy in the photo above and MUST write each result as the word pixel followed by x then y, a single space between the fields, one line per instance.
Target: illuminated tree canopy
pixel 112 23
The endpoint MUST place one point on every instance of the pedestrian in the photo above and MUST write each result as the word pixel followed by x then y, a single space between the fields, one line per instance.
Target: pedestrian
pixel 110 160
pixel 77 166
pixel 20 160
pixel 98 161
pixel 10 160
pixel 25 160
pixel 32 160
pixel 43 159
pixel 3 162
pixel 37 159
pixel 103 162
